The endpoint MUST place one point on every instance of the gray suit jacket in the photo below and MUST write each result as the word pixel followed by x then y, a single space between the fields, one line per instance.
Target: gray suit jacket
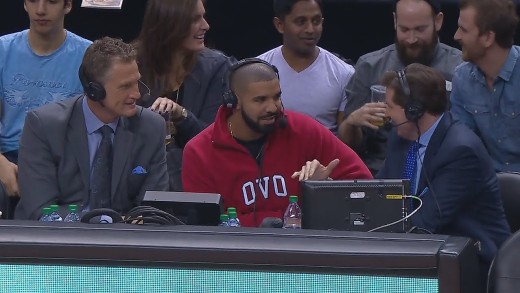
pixel 54 168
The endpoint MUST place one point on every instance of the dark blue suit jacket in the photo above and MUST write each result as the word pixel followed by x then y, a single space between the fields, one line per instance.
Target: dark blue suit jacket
pixel 463 196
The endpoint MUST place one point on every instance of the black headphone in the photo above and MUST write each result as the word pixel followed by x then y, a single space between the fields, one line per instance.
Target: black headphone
pixel 230 99
pixel 116 217
pixel 414 109
pixel 93 89
pixel 96 91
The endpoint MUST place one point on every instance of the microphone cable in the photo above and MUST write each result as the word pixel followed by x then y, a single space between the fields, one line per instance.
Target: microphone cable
pixel 150 215
pixel 403 219
pixel 423 171
pixel 259 161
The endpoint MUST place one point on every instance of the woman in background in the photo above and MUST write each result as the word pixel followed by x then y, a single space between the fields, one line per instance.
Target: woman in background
pixel 187 79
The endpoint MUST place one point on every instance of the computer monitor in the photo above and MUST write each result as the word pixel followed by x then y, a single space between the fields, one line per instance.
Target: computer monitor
pixel 355 205
pixel 191 208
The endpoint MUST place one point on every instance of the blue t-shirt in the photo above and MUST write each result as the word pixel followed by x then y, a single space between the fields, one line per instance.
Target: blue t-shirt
pixel 28 81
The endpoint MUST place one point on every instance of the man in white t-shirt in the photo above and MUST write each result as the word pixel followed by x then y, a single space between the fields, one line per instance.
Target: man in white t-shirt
pixel 312 79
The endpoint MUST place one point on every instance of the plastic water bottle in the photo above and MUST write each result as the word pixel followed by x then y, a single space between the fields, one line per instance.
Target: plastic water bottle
pixel 73 215
pixel 46 215
pixel 292 219
pixel 54 213
pixel 233 219
pixel 224 220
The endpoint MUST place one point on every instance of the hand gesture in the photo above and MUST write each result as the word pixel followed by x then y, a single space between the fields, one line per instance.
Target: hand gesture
pixel 315 170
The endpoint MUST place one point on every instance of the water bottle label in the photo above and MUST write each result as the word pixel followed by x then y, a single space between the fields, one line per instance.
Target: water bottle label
pixel 292 223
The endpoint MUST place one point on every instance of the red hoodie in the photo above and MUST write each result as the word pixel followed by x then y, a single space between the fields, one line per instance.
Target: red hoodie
pixel 214 161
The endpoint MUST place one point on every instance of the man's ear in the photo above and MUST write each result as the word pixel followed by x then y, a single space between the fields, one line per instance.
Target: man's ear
pixel 278 25
pixel 68 6
pixel 438 20
pixel 488 38
pixel 395 21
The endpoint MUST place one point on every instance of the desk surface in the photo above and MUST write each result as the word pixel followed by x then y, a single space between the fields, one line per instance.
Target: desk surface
pixel 25 240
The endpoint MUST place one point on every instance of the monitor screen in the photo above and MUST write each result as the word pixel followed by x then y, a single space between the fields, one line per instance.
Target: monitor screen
pixel 355 205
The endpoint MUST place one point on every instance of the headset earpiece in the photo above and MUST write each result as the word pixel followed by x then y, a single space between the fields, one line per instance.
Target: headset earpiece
pixel 414 109
pixel 96 91
pixel 229 100
pixel 93 89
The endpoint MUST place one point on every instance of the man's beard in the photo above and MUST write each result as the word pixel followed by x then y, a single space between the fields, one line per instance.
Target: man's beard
pixel 255 126
pixel 425 54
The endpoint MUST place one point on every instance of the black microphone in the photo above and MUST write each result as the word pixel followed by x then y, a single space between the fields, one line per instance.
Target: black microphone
pixel 271 222
pixel 145 96
pixel 391 125
pixel 282 121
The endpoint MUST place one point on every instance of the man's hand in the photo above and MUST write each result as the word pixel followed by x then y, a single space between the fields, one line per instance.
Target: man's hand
pixel 8 176
pixel 315 170
pixel 370 115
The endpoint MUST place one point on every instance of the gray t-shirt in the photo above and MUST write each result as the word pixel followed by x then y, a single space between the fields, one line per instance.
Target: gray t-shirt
pixel 369 70
pixel 318 90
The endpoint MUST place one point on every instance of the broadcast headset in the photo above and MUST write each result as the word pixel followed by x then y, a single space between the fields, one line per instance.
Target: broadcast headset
pixel 414 109
pixel 230 99
pixel 96 91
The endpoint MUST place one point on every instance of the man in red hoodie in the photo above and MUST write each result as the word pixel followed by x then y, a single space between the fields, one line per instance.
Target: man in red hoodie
pixel 256 153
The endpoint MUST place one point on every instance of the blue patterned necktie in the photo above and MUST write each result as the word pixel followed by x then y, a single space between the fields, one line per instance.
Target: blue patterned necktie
pixel 410 166
pixel 102 171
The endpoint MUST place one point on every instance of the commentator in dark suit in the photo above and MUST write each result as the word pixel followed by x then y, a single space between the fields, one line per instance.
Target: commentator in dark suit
pixel 98 150
pixel 451 171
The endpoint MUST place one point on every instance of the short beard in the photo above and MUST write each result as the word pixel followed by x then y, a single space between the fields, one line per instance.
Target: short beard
pixel 425 55
pixel 257 127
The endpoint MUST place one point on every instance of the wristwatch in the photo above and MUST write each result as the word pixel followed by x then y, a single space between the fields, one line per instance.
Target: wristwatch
pixel 184 115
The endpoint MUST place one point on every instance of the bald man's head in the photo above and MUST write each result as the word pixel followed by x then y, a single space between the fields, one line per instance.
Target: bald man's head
pixel 249 73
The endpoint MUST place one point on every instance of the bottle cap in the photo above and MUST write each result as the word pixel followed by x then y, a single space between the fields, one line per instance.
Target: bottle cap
pixel 231 209
pixel 224 217
pixel 232 214
pixel 73 207
pixel 46 211
pixel 293 198
pixel 54 207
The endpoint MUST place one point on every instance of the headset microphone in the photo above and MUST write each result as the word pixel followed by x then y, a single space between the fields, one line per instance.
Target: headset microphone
pixel 282 121
pixel 145 96
pixel 397 125
pixel 95 90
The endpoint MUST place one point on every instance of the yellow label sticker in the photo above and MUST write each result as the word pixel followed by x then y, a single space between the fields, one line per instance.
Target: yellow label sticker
pixel 394 196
